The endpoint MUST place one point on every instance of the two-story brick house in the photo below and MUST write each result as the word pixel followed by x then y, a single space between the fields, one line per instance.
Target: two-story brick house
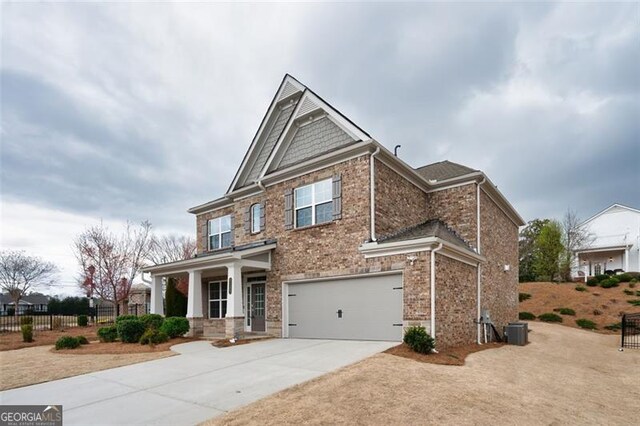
pixel 324 233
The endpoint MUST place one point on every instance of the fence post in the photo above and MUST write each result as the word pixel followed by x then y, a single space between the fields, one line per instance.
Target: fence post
pixel 50 322
pixel 624 322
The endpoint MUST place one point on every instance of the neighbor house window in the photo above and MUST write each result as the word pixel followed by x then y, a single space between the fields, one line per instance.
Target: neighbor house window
pixel 220 232
pixel 217 299
pixel 313 204
pixel 255 218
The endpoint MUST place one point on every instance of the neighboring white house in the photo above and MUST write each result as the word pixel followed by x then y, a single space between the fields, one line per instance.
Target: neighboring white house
pixel 616 246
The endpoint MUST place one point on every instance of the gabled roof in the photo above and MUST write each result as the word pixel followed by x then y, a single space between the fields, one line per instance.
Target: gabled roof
pixel 443 170
pixel 611 207
pixel 430 228
pixel 31 299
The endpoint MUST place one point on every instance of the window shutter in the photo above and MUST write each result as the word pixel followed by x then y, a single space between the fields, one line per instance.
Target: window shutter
pixel 247 220
pixel 233 230
pixel 288 209
pixel 205 236
pixel 337 197
pixel 262 216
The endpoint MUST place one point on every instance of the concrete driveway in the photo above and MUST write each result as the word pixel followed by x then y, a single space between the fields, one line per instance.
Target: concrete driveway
pixel 200 383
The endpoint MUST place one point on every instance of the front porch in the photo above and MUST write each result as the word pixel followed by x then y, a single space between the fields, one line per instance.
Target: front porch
pixel 227 290
pixel 597 261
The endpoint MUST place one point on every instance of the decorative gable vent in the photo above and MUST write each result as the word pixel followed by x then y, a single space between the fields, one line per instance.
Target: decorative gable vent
pixel 288 90
pixel 307 106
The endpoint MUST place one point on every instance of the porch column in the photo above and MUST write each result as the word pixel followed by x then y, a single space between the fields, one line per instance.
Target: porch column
pixel 626 259
pixel 234 321
pixel 194 298
pixel 156 295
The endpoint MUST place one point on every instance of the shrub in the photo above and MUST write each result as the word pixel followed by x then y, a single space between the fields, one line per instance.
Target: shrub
pixel 628 292
pixel 108 334
pixel 601 277
pixel 125 318
pixel 633 282
pixel 83 321
pixel 83 340
pixel 27 332
pixel 581 288
pixel 523 296
pixel 550 317
pixel 26 320
pixel 567 311
pixel 175 326
pixel 635 302
pixel 614 327
pixel 592 282
pixel 130 330
pixel 153 337
pixel 67 342
pixel 624 278
pixel 609 283
pixel 176 302
pixel 152 321
pixel 587 324
pixel 526 316
pixel 419 340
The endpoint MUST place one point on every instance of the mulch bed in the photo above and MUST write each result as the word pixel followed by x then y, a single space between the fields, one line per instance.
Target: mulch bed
pixel 13 340
pixel 446 356
pixel 225 343
pixel 98 348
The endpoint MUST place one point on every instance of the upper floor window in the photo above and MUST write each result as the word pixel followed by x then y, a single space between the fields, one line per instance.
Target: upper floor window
pixel 313 204
pixel 220 232
pixel 255 218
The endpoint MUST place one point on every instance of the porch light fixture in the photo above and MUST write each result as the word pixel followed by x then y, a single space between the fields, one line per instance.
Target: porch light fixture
pixel 611 259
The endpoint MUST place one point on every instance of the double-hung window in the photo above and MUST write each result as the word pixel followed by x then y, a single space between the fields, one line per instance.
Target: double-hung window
pixel 217 299
pixel 313 204
pixel 256 211
pixel 220 232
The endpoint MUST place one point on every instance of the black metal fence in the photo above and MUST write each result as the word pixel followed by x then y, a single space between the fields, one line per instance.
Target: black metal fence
pixel 100 315
pixel 631 331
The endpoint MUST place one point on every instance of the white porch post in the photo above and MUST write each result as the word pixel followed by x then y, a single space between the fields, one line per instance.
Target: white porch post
pixel 626 259
pixel 234 321
pixel 194 298
pixel 157 307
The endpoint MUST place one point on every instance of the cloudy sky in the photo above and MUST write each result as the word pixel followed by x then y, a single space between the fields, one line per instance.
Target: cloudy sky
pixel 138 111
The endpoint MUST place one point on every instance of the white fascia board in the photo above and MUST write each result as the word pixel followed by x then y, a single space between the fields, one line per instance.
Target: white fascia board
pixel 207 262
pixel 607 209
pixel 375 249
pixel 402 168
pixel 496 196
pixel 227 200
pixel 603 249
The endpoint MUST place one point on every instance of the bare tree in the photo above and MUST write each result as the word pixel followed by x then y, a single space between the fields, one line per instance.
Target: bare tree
pixel 20 273
pixel 109 262
pixel 574 237
pixel 171 248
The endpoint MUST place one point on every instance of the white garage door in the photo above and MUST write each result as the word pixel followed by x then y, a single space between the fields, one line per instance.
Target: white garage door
pixel 367 308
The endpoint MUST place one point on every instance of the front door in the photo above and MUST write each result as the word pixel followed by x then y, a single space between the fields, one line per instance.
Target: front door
pixel 257 307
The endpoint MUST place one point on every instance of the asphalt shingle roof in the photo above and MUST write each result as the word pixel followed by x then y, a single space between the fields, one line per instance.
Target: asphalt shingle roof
pixel 443 170
pixel 430 228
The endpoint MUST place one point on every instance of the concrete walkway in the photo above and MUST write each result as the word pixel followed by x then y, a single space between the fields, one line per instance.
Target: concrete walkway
pixel 200 383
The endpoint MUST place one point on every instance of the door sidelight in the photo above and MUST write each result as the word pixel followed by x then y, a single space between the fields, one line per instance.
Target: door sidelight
pixel 339 312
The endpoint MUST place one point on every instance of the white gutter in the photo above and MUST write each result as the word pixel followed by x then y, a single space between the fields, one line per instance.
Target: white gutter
pixel 372 186
pixel 261 186
pixel 478 271
pixel 433 290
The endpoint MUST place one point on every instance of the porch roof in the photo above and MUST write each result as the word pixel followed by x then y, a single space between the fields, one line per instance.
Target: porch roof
pixel 621 247
pixel 238 254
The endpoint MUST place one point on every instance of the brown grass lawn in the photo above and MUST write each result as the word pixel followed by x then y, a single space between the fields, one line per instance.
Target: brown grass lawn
pixel 603 306
pixel 564 376
pixel 13 340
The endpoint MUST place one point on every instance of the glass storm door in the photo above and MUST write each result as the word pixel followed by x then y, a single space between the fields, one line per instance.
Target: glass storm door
pixel 257 307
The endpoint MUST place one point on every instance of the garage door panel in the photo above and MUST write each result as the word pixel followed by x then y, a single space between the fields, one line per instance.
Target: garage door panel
pixel 370 307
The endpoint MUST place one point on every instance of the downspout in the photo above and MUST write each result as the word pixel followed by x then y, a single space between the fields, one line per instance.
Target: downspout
pixel 261 185
pixel 478 268
pixel 433 290
pixel 372 187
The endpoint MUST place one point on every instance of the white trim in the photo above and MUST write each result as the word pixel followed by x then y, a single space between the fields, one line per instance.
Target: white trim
pixel 602 249
pixel 286 283
pixel 516 221
pixel 457 185
pixel 377 249
pixel 221 283
pixel 607 209
pixel 432 291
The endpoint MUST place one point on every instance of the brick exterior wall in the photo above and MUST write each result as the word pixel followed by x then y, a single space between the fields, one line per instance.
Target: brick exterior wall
pixel 455 302
pixel 499 244
pixel 457 208
pixel 399 203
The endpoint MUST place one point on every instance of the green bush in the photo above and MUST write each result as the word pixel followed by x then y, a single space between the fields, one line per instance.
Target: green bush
pixel 567 311
pixel 614 327
pixel 633 282
pixel 550 317
pixel 523 296
pixel 83 321
pixel 628 292
pixel 419 340
pixel 175 326
pixel 125 318
pixel 83 340
pixel 585 323
pixel 108 334
pixel 581 288
pixel 624 278
pixel 130 330
pixel 26 320
pixel 592 282
pixel 67 342
pixel 601 277
pixel 635 302
pixel 27 332
pixel 609 283
pixel 152 321
pixel 526 316
pixel 153 337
